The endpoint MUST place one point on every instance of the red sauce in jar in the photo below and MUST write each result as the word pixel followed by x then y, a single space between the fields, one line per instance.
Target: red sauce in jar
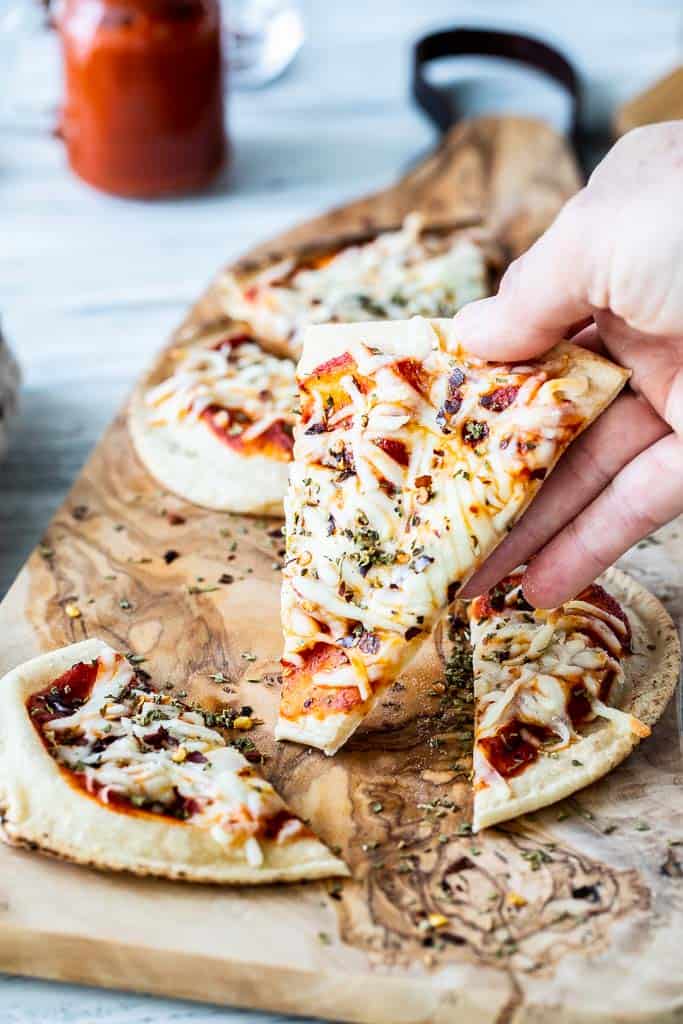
pixel 143 112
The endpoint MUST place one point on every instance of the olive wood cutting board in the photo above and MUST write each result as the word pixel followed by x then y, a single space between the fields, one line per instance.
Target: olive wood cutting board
pixel 575 912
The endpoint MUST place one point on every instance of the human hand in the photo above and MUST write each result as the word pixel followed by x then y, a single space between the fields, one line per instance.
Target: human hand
pixel 611 263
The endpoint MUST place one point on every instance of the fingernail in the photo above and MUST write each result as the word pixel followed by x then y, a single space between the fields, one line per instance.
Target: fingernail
pixel 527 592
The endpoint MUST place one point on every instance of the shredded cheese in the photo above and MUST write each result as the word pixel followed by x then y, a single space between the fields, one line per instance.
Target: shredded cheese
pixel 411 460
pixel 397 275
pixel 158 754
pixel 530 665
pixel 247 388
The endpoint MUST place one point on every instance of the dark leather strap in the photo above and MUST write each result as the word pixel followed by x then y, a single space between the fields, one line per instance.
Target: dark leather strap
pixel 441 104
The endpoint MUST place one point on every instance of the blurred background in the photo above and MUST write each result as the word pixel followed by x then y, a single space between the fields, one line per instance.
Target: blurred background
pixel 91 284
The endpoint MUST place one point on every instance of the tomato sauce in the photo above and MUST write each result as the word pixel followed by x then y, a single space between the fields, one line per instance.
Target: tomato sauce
pixel 276 442
pixel 415 374
pixel 64 696
pixel 143 110
pixel 299 698
pixel 509 752
pixel 598 596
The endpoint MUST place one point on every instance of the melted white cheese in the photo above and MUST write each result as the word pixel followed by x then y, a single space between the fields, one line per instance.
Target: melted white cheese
pixel 230 798
pixel 527 662
pixel 373 542
pixel 397 275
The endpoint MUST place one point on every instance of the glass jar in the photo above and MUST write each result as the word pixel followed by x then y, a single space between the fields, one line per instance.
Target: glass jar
pixel 143 109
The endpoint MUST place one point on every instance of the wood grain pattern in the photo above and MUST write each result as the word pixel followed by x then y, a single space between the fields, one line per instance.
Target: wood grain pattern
pixel 597 889
pixel 663 101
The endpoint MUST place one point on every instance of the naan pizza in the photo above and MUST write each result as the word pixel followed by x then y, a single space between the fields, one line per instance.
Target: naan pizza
pixel 412 460
pixel 218 429
pixel 547 688
pixel 215 424
pixel 414 271
pixel 99 767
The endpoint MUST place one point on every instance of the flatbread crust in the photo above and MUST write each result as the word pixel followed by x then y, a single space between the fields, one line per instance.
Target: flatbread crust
pixel 43 810
pixel 186 457
pixel 190 461
pixel 651 672
pixel 330 722
pixel 193 464
pixel 412 269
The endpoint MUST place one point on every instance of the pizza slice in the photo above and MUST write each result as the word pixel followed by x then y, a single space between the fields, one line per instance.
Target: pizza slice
pixel 412 460
pixel 416 270
pixel 217 428
pixel 547 685
pixel 98 767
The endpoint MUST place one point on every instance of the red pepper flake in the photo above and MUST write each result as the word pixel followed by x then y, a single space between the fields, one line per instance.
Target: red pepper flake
pixel 196 757
pixel 415 374
pixel 394 448
pixel 499 399
pixel 174 519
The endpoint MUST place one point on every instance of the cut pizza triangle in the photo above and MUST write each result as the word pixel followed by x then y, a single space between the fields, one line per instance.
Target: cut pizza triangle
pixel 546 686
pixel 99 768
pixel 412 460
pixel 214 423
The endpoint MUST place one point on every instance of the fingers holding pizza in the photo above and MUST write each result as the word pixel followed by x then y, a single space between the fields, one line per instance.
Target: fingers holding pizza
pixel 412 461
pixel 628 281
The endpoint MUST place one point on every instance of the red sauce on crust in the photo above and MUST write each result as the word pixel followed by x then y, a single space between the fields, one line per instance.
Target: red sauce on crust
pixel 332 367
pixel 598 596
pixel 274 443
pixel 509 752
pixel 64 696
pixel 271 827
pixel 493 601
pixel 578 706
pixel 395 449
pixel 300 698
pixel 325 381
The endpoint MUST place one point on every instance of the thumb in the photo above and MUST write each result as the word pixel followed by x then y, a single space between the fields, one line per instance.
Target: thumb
pixel 541 294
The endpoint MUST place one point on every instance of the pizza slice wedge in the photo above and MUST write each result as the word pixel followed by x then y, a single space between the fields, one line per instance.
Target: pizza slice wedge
pixel 214 422
pixel 412 460
pixel 98 767
pixel 547 685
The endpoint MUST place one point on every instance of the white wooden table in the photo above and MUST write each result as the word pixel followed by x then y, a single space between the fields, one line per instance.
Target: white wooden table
pixel 90 286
